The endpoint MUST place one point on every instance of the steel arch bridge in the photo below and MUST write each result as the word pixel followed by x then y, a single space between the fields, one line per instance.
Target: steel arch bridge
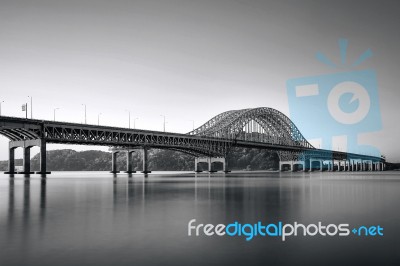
pixel 262 128
pixel 261 125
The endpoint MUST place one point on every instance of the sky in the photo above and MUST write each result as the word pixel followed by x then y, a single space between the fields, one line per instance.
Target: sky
pixel 187 60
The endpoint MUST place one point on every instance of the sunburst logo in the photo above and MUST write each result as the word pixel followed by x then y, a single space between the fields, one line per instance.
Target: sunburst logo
pixel 336 104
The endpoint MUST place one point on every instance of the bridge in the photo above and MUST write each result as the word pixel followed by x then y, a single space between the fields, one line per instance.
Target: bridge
pixel 261 128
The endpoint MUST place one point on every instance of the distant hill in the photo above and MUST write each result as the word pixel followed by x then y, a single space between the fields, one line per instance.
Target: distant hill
pixel 159 160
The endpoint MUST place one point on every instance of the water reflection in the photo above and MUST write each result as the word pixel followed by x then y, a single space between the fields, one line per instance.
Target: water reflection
pixel 121 220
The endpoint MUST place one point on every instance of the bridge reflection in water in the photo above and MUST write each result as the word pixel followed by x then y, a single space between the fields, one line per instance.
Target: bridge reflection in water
pixel 262 128
pixel 89 218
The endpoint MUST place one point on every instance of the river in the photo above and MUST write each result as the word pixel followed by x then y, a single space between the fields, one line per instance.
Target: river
pixel 95 218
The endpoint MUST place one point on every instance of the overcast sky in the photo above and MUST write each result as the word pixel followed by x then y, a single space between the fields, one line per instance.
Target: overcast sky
pixel 187 60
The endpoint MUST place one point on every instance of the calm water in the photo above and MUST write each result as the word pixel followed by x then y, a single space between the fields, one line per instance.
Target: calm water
pixel 95 219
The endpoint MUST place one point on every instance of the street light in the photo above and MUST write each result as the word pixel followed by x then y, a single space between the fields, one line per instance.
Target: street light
pixel 134 122
pixel 164 121
pixel 98 119
pixel 54 113
pixel 85 111
pixel 129 117
pixel 31 105
pixel 0 106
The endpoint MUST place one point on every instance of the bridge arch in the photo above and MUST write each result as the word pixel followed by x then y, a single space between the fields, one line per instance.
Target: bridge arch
pixel 261 124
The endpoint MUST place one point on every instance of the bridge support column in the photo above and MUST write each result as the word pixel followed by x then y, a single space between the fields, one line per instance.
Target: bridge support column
pixel 196 164
pixel 129 166
pixel 339 166
pixel 27 161
pixel 210 168
pixel 11 161
pixel 145 161
pixel 114 162
pixel 43 158
pixel 306 165
pixel 225 168
pixel 328 166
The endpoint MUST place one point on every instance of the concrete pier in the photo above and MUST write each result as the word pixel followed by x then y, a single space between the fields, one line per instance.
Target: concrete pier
pixel 129 163
pixel 210 161
pixel 145 161
pixel 114 162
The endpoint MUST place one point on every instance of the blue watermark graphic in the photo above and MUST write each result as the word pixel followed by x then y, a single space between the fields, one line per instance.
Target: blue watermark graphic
pixel 343 104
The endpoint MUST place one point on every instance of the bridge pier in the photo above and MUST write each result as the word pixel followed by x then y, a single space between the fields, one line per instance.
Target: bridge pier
pixel 114 162
pixel 210 166
pixel 346 166
pixel 282 163
pixel 11 161
pixel 293 165
pixel 129 166
pixel 296 164
pixel 381 166
pixel 43 159
pixel 328 165
pixel 27 161
pixel 145 161
pixel 225 168
pixel 216 159
pixel 315 160
pixel 27 145
pixel 210 161
pixel 196 167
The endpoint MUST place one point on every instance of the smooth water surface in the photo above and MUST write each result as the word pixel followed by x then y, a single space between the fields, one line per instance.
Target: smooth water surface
pixel 95 218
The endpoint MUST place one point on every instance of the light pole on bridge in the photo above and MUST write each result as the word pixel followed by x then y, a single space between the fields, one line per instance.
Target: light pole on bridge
pixel 85 111
pixel 98 119
pixel 129 118
pixel 54 113
pixel 164 121
pixel 31 105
